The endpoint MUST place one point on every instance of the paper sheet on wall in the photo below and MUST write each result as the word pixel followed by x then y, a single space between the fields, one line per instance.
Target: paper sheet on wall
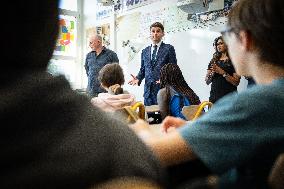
pixel 127 35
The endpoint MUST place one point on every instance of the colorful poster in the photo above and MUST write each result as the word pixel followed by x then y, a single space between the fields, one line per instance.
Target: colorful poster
pixel 66 42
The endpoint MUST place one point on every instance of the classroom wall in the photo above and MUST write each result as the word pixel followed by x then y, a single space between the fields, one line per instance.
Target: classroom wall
pixel 90 20
pixel 193 48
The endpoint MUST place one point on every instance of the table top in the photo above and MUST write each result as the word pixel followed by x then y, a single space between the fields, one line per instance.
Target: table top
pixel 152 108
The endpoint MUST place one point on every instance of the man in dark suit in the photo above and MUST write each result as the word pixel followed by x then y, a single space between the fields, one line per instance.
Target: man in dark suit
pixel 153 58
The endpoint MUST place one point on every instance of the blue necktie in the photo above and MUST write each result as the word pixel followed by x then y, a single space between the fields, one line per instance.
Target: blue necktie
pixel 154 53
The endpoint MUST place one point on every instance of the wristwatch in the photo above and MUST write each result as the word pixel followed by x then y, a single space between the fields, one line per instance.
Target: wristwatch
pixel 225 74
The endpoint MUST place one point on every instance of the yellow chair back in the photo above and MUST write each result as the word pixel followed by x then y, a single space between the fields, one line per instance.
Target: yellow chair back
pixel 193 112
pixel 134 112
pixel 201 108
pixel 141 109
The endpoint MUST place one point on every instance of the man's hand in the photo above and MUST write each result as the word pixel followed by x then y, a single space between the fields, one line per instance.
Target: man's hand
pixel 133 81
pixel 171 122
pixel 142 129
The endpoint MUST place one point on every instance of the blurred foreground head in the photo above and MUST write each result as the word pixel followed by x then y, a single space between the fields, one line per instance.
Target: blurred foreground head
pixel 29 39
pixel 263 20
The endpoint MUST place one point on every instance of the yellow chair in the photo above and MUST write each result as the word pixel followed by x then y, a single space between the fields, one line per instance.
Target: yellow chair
pixel 134 112
pixel 201 107
pixel 141 109
pixel 193 112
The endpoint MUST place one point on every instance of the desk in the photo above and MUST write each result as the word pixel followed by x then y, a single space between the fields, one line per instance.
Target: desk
pixel 152 108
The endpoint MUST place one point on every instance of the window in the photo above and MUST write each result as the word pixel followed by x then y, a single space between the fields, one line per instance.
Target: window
pixel 63 67
pixel 66 42
pixel 68 5
pixel 65 57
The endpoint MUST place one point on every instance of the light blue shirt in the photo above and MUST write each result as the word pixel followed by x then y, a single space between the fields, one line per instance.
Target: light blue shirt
pixel 241 135
pixel 152 48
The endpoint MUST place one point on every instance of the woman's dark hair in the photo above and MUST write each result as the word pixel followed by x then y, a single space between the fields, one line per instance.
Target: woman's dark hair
pixel 216 41
pixel 110 75
pixel 157 24
pixel 171 76
pixel 263 20
pixel 217 55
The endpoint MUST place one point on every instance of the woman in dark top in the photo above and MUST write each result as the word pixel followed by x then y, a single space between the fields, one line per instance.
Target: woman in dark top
pixel 221 72
pixel 174 92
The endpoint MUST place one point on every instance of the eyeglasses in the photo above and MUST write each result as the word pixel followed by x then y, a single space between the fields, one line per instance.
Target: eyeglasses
pixel 225 32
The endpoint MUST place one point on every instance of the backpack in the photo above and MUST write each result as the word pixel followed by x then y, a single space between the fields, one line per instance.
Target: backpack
pixel 177 102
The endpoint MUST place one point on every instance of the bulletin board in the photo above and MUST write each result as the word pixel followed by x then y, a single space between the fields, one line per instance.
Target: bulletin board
pixel 101 30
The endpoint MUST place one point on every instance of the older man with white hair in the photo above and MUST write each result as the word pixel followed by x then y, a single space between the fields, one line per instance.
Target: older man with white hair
pixel 95 60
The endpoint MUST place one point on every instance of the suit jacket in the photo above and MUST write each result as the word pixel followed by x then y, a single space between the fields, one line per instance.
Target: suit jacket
pixel 151 70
